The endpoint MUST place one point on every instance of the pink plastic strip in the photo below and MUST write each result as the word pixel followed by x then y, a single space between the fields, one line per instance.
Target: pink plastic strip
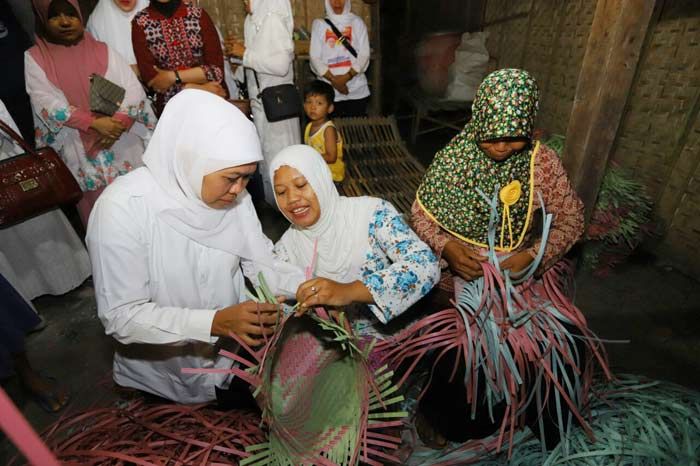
pixel 16 427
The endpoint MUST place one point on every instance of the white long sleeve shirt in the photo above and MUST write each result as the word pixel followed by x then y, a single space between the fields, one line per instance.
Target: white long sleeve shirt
pixel 157 292
pixel 328 55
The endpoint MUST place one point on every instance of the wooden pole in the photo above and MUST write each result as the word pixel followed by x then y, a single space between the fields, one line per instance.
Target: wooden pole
pixel 612 54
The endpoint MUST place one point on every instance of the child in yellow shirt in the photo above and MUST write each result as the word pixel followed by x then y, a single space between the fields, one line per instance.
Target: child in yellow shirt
pixel 321 133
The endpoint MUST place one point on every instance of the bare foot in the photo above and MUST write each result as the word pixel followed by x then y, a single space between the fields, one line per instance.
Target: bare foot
pixel 46 391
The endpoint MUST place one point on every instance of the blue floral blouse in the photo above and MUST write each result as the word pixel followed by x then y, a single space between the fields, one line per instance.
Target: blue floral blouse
pixel 399 269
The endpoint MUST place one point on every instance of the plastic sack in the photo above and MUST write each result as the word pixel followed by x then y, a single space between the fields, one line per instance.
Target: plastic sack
pixel 469 68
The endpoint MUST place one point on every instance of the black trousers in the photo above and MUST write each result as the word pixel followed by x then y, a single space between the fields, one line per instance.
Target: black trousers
pixel 445 406
pixel 350 108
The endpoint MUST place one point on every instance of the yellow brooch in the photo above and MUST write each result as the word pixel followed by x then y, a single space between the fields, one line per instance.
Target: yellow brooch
pixel 509 195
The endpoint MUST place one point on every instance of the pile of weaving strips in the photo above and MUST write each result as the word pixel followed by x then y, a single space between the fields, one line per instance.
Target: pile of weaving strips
pixel 621 217
pixel 377 161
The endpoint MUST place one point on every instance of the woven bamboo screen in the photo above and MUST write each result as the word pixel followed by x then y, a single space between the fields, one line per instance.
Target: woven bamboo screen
pixel 229 15
pixel 547 38
pixel 659 138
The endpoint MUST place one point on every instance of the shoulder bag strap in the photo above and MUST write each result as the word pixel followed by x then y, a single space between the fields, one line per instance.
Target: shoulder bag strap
pixel 16 137
pixel 343 40
pixel 257 83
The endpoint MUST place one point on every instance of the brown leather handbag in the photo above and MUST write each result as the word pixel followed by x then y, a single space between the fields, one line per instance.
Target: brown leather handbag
pixel 33 183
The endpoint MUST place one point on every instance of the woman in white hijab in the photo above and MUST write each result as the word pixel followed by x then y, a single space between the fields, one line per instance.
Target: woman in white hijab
pixel 167 244
pixel 366 253
pixel 268 51
pixel 334 63
pixel 110 22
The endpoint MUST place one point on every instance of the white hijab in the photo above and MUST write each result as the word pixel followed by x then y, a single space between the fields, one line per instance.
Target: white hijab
pixel 261 9
pixel 342 230
pixel 197 134
pixel 342 20
pixel 109 24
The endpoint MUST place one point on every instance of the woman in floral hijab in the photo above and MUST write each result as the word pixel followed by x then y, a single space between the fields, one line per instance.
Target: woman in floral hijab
pixel 491 177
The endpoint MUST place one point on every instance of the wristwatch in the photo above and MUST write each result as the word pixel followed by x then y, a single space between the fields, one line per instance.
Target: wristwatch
pixel 178 80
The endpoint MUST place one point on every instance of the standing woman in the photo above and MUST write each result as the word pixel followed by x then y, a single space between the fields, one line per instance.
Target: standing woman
pixel 170 245
pixel 110 22
pixel 177 47
pixel 334 63
pixel 96 148
pixel 268 52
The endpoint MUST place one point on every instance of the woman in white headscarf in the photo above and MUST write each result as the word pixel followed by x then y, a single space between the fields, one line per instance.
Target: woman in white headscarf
pixel 268 51
pixel 366 253
pixel 168 242
pixel 334 63
pixel 110 22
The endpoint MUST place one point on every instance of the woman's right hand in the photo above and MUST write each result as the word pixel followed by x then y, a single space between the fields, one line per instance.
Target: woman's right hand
pixel 340 84
pixel 249 320
pixel 463 260
pixel 109 127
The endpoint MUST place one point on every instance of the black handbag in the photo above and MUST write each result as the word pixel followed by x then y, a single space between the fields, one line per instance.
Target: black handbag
pixel 280 102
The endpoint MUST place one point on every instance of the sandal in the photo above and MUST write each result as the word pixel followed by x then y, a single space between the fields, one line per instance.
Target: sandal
pixel 430 437
pixel 51 400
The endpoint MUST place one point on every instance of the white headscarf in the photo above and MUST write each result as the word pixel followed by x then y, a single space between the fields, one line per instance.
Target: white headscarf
pixel 342 230
pixel 342 20
pixel 197 134
pixel 261 9
pixel 109 24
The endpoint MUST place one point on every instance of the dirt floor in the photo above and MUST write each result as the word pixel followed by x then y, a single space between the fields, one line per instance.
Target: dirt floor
pixel 651 305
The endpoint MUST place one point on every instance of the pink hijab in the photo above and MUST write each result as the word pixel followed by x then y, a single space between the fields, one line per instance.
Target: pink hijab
pixel 69 67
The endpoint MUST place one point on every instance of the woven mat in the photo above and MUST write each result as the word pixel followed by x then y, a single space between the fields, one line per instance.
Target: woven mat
pixel 377 161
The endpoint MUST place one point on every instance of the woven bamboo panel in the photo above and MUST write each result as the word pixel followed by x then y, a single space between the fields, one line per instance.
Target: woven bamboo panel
pixel 682 241
pixel 377 161
pixel 547 38
pixel 574 20
pixel 662 96
pixel 229 15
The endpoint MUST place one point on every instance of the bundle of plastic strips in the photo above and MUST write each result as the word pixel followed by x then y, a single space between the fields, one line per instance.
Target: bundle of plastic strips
pixel 636 422
pixel 517 332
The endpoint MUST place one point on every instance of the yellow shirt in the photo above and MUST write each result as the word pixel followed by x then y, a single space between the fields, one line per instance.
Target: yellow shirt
pixel 318 142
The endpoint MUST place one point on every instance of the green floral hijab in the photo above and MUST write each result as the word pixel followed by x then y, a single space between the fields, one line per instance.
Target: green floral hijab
pixel 505 106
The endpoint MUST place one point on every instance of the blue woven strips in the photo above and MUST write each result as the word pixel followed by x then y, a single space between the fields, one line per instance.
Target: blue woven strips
pixel 482 308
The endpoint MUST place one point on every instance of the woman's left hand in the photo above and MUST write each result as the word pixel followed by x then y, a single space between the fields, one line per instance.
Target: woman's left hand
pixel 162 81
pixel 517 262
pixel 325 292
